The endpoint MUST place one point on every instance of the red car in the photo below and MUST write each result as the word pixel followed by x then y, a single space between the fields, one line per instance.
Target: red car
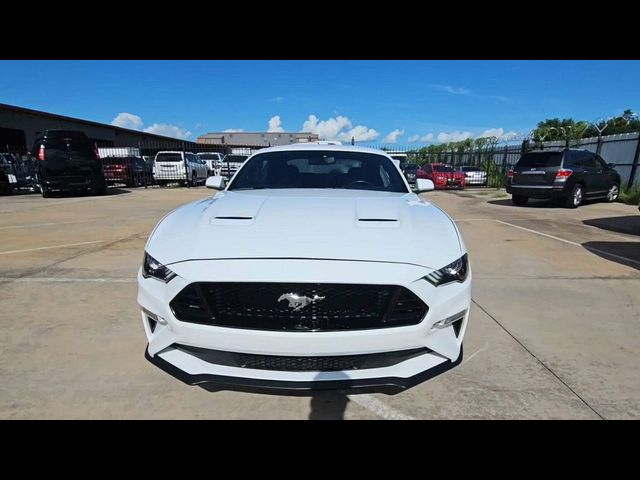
pixel 442 176
pixel 132 171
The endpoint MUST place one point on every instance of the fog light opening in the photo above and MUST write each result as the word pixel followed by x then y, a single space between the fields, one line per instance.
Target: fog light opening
pixel 455 320
pixel 153 319
pixel 152 324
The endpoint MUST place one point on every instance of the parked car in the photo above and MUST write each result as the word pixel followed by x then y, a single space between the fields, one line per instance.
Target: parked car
pixel 5 185
pixel 442 176
pixel 67 161
pixel 20 172
pixel 473 175
pixel 231 163
pixel 286 279
pixel 213 161
pixel 175 166
pixel 400 158
pixel 568 176
pixel 410 171
pixel 132 171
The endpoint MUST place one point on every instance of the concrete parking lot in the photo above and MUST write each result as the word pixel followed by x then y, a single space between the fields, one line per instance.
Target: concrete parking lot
pixel 554 330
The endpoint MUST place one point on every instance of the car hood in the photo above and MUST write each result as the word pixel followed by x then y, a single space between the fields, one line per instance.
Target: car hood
pixel 318 224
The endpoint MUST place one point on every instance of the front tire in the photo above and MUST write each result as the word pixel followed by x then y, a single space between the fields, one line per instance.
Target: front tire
pixel 194 180
pixel 613 193
pixel 100 188
pixel 519 200
pixel 45 193
pixel 575 199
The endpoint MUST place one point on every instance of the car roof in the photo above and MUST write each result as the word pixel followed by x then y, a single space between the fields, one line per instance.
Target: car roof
pixel 322 147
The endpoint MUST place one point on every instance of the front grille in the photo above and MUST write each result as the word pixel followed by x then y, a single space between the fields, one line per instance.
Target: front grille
pixel 298 307
pixel 302 364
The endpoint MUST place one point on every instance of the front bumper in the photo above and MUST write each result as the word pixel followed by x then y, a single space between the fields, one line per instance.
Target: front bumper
pixel 444 345
pixel 388 385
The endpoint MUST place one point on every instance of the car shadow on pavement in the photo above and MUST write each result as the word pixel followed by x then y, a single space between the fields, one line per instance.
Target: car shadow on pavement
pixel 624 253
pixel 532 203
pixel 536 203
pixel 329 405
pixel 629 224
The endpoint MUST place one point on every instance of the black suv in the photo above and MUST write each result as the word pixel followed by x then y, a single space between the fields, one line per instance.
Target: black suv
pixel 568 176
pixel 68 161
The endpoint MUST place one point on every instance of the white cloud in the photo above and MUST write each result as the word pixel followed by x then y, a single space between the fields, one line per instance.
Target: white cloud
pixel 452 90
pixel 338 128
pixel 233 130
pixel 492 132
pixel 510 136
pixel 168 130
pixel 359 133
pixel 465 91
pixel 275 124
pixel 456 136
pixel 429 137
pixel 127 120
pixel 393 136
pixel 499 133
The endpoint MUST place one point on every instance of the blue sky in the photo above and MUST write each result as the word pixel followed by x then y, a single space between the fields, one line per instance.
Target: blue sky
pixel 422 101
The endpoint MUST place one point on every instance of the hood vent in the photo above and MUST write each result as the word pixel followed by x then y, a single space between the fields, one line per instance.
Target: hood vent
pixel 234 218
pixel 377 220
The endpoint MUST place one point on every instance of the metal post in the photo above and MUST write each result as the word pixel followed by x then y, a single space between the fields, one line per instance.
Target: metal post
pixel 186 166
pixel 634 167
pixel 599 147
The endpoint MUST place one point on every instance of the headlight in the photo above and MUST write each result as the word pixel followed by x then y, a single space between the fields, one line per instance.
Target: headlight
pixel 454 272
pixel 153 268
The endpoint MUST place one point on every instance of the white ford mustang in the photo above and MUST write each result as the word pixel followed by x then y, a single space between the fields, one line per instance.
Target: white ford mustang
pixel 315 268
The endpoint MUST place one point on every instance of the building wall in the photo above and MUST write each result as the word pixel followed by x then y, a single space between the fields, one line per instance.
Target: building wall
pixel 33 122
pixel 256 138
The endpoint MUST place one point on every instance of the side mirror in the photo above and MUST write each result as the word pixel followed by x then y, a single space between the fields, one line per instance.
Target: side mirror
pixel 424 185
pixel 215 183
pixel 611 165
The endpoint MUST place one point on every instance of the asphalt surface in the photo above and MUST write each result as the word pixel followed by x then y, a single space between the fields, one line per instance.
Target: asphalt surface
pixel 554 330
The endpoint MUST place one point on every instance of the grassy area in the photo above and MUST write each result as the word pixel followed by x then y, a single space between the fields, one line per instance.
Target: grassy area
pixel 630 196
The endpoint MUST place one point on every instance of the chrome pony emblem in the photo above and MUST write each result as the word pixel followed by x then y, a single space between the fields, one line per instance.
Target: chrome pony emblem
pixel 298 302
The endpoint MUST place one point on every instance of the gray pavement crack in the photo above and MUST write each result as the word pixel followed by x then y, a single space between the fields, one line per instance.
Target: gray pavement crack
pixel 87 251
pixel 535 357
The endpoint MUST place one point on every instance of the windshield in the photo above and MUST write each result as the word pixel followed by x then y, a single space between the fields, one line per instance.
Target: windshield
pixel 442 168
pixel 208 156
pixel 319 169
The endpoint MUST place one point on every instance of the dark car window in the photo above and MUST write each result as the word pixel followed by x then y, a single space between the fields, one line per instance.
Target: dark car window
pixel 442 168
pixel 602 163
pixel 411 168
pixel 540 160
pixel 590 162
pixel 168 157
pixel 209 156
pixel 426 168
pixel 320 169
pixel 235 158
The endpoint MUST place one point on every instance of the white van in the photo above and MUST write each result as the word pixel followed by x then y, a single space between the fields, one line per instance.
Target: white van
pixel 175 166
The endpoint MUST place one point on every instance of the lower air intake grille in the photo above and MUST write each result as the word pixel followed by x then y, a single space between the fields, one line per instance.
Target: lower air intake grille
pixel 302 364
pixel 298 307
